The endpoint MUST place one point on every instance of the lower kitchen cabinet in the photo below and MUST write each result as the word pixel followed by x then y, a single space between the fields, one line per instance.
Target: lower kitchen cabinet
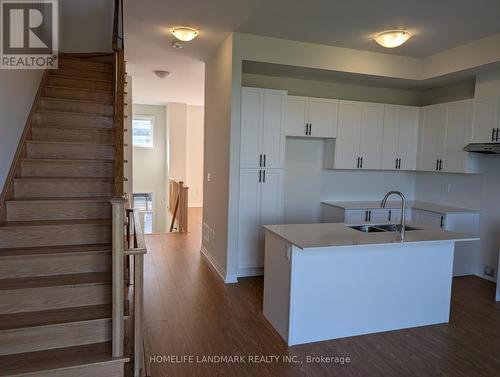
pixel 260 203
pixel 464 222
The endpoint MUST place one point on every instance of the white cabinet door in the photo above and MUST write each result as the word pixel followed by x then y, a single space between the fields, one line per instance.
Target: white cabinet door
pixel 273 131
pixel 485 120
pixel 433 137
pixel 408 137
pixel 323 117
pixel 372 126
pixel 432 219
pixel 251 126
pixel 296 116
pixel 356 216
pixel 458 122
pixel 390 139
pixel 271 203
pixel 347 142
pixel 249 219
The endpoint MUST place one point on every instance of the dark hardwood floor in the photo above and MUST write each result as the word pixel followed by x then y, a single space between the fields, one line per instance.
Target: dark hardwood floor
pixel 190 312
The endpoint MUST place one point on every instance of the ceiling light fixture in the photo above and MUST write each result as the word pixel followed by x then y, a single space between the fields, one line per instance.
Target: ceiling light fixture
pixel 392 38
pixel 162 74
pixel 184 34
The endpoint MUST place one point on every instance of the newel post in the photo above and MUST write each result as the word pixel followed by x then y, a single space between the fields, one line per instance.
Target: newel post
pixel 118 237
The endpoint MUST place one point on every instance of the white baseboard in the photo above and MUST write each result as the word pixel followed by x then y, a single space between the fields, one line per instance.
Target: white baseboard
pixel 248 272
pixel 227 278
pixel 486 277
pixel 195 205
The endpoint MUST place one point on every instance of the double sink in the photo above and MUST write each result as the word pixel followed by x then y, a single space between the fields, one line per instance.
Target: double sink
pixel 381 228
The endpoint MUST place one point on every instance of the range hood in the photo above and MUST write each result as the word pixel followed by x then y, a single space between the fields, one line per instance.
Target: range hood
pixel 485 148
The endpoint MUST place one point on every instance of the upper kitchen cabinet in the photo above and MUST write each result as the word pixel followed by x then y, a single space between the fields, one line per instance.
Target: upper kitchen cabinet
pixel 400 137
pixel 359 140
pixel 486 120
pixel 311 117
pixel 263 114
pixel 446 130
pixel 432 138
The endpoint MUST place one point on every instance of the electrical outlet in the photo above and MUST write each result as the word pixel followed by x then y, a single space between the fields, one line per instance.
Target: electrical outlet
pixel 448 188
pixel 213 234
pixel 206 232
pixel 209 177
pixel 489 271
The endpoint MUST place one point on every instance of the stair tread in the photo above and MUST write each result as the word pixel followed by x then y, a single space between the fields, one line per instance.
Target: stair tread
pixel 73 113
pixel 59 99
pixel 63 199
pixel 55 250
pixel 91 128
pixel 56 74
pixel 108 179
pixel 8 224
pixel 64 142
pixel 32 362
pixel 56 280
pixel 78 89
pixel 54 316
pixel 59 160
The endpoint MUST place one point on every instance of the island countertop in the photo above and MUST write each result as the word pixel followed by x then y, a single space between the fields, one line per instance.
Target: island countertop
pixel 306 236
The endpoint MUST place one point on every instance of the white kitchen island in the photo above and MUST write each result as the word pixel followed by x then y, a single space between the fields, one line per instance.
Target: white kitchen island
pixel 328 281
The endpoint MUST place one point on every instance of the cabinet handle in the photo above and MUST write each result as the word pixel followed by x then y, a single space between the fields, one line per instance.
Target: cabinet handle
pixel 264 176
pixel 440 165
pixel 442 221
pixel 437 165
pixel 390 215
pixel 260 176
pixel 493 135
pixel 358 163
pixel 260 161
pixel 307 129
pixel 265 160
pixel 361 163
pixel 366 216
pixel 397 162
pixel 369 215
pixel 310 129
pixel 497 137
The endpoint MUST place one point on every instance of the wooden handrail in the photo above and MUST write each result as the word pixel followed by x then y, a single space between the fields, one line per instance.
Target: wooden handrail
pixel 178 196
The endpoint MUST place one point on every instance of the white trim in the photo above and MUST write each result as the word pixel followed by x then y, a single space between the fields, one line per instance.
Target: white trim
pixel 195 205
pixel 227 278
pixel 486 277
pixel 250 271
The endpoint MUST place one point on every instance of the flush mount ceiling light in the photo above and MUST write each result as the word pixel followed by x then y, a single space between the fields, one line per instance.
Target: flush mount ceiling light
pixel 184 34
pixel 392 38
pixel 162 74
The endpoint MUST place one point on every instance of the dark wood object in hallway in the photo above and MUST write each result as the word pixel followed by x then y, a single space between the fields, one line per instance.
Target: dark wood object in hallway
pixel 191 312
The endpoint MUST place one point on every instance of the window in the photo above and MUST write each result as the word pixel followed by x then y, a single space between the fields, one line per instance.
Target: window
pixel 142 131
pixel 143 202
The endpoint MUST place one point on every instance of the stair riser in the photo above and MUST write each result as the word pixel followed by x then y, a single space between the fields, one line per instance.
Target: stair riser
pixel 79 94
pixel 77 107
pixel 71 151
pixel 34 211
pixel 84 65
pixel 78 83
pixel 67 168
pixel 84 73
pixel 108 370
pixel 12 267
pixel 76 120
pixel 46 298
pixel 73 135
pixel 62 189
pixel 54 336
pixel 54 235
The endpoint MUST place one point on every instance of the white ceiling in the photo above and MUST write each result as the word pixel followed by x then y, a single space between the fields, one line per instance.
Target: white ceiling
pixel 437 25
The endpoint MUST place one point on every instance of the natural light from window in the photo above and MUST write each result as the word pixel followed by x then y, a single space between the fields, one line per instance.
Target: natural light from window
pixel 142 131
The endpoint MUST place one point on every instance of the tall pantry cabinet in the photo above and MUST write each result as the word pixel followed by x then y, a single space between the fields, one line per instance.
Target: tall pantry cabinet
pixel 262 163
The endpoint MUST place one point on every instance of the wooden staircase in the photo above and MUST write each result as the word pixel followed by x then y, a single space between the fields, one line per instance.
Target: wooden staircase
pixel 56 230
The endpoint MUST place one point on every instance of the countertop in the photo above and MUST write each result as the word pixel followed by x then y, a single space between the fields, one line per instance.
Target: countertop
pixel 396 204
pixel 306 236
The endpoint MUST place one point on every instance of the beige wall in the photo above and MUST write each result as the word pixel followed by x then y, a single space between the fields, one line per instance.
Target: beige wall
pixel 150 166
pixel 17 92
pixel 177 133
pixel 218 101
pixel 194 155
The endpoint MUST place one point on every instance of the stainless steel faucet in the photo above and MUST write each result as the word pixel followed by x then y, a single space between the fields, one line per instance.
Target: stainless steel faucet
pixel 403 208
